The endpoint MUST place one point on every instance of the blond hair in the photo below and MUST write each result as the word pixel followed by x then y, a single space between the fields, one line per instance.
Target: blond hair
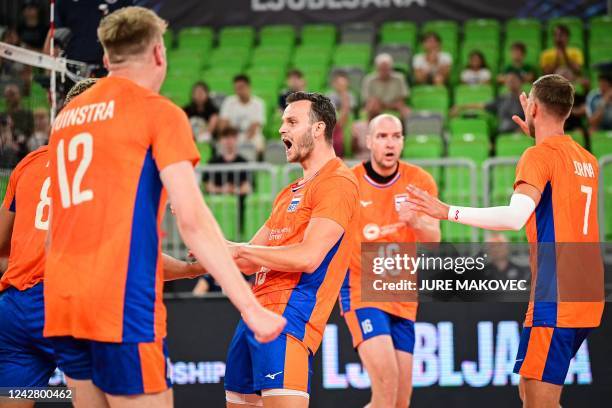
pixel 128 32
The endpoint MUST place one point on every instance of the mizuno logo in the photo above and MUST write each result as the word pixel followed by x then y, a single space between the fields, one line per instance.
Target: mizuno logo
pixel 366 203
pixel 273 376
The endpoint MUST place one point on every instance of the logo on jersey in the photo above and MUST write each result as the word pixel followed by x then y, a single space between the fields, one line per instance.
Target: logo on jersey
pixel 371 231
pixel 295 201
pixel 399 199
pixel 273 376
pixel 366 203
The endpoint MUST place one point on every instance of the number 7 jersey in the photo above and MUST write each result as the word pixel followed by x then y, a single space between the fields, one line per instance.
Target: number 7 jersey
pixel 104 277
pixel 566 264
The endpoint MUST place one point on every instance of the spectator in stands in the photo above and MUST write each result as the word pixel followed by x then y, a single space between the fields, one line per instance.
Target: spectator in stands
pixel 344 101
pixel 561 55
pixel 228 182
pixel 385 89
pixel 476 72
pixel 9 149
pixel 12 72
pixel 432 66
pixel 41 129
pixel 599 104
pixel 505 105
pixel 245 112
pixel 578 112
pixel 202 112
pixel 23 120
pixel 517 64
pixel 32 28
pixel 295 83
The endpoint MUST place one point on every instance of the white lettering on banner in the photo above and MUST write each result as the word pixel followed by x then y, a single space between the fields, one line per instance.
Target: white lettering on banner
pixel 434 359
pixel 313 5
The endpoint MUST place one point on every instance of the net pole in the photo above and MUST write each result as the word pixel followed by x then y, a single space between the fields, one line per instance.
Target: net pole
pixel 52 85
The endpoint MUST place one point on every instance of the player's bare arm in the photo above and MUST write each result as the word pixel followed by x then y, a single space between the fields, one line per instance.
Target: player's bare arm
pixel 203 236
pixel 320 236
pixel 7 219
pixel 511 217
pixel 177 269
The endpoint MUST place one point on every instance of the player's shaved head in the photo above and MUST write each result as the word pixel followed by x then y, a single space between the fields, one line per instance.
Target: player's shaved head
pixel 382 118
pixel 129 32
pixel 79 88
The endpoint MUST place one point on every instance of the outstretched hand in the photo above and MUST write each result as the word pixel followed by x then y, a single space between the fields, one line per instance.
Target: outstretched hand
pixel 420 200
pixel 517 119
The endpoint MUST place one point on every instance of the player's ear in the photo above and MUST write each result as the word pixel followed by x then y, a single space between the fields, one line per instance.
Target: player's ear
pixel 158 54
pixel 105 61
pixel 369 141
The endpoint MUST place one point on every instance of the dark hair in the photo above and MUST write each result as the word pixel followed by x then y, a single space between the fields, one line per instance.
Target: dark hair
pixel 605 76
pixel 340 73
pixel 201 84
pixel 480 55
pixel 79 88
pixel 519 46
pixel 295 72
pixel 431 34
pixel 228 131
pixel 321 110
pixel 555 93
pixel 242 78
pixel 563 28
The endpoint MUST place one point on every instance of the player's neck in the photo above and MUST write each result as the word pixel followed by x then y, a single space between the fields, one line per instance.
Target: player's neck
pixel 317 159
pixel 135 75
pixel 547 131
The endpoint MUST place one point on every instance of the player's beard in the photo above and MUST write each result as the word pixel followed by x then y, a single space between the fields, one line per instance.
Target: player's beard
pixel 302 148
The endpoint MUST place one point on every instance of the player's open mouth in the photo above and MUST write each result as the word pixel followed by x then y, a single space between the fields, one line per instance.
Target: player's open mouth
pixel 390 155
pixel 287 143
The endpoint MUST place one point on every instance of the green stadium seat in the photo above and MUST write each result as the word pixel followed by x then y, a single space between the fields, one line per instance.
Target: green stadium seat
pixel 430 98
pixel 277 35
pixel 485 31
pixel 224 208
pixel 575 26
pixel 230 56
pixel 512 144
pixel 273 125
pixel 468 130
pixel 316 80
pixel 524 29
pixel 601 143
pixel 169 41
pixel 353 55
pixel 601 52
pixel 236 36
pixel 219 81
pixel 271 56
pixel 205 150
pixel 178 89
pixel 256 212
pixel 198 39
pixel 600 29
pixel 423 147
pixel 468 146
pixel 4 179
pixel 185 62
pixel 323 35
pixel 399 32
pixel 312 57
pixel 38 97
pixel 473 94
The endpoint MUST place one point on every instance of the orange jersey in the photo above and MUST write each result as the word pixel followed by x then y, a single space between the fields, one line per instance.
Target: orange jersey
pixel 104 277
pixel 27 196
pixel 379 222
pixel 563 222
pixel 307 299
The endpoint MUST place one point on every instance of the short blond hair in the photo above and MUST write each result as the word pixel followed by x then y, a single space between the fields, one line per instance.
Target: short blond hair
pixel 128 32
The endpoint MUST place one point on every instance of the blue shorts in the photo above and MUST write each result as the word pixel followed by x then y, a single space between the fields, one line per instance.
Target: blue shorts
pixel 284 363
pixel 545 352
pixel 26 357
pixel 368 322
pixel 115 368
